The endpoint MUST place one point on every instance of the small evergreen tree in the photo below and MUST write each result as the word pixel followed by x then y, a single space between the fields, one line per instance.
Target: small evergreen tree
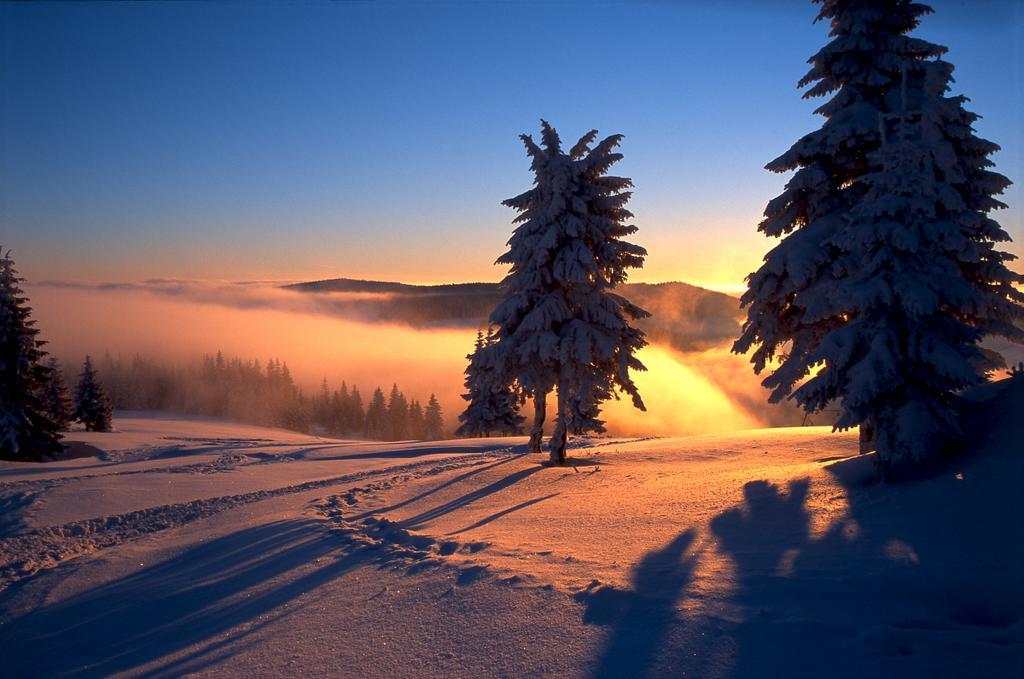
pixel 92 405
pixel 493 404
pixel 56 398
pixel 561 323
pixel 433 420
pixel 887 275
pixel 323 407
pixel 340 405
pixel 377 423
pixel 398 415
pixel 355 415
pixel 27 430
pixel 417 421
pixel 295 413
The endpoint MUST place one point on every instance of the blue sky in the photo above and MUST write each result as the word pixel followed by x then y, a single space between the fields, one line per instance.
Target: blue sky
pixel 273 141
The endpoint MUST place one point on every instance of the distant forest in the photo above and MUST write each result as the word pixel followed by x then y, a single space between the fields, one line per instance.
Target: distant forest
pixel 266 395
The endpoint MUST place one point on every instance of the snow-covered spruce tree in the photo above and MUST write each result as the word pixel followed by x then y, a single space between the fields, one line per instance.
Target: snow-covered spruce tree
pixel 585 408
pixel 493 404
pixel 55 397
pixel 560 324
pixel 27 432
pixel 887 275
pixel 92 405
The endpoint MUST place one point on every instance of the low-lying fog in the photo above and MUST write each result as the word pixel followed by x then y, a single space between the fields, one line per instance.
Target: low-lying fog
pixel 686 392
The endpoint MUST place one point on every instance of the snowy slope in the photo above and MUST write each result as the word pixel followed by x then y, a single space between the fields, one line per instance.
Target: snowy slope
pixel 220 549
pixel 155 472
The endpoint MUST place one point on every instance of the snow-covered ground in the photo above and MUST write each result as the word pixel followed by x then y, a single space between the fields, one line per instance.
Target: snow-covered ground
pixel 200 546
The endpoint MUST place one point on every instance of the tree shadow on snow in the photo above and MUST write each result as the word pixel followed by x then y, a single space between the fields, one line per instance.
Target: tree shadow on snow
pixel 467 499
pixel 434 489
pixel 642 617
pixel 187 600
pixel 504 512
pixel 897 587
pixel 12 512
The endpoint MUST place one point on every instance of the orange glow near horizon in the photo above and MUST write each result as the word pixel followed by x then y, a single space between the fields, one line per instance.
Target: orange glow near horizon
pixel 77 322
pixel 692 393
pixel 719 257
pixel 682 397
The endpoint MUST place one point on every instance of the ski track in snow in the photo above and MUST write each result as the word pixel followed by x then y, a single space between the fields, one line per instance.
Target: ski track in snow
pixel 24 555
pixel 224 463
pixel 27 553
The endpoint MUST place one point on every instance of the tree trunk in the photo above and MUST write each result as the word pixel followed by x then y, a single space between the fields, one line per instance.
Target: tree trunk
pixel 558 437
pixel 539 411
pixel 867 436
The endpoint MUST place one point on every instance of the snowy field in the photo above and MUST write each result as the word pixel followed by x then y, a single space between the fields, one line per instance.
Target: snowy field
pixel 176 546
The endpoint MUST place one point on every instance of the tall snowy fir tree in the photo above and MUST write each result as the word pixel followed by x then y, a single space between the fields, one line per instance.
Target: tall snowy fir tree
pixel 887 275
pixel 493 403
pixel 92 405
pixel 55 397
pixel 27 431
pixel 561 325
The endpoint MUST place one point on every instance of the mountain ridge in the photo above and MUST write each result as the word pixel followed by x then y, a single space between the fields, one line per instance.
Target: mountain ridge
pixel 685 316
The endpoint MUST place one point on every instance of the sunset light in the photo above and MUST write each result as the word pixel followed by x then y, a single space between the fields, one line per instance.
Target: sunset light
pixel 477 338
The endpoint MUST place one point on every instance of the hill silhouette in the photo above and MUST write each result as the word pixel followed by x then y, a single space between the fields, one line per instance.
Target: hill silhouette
pixel 686 317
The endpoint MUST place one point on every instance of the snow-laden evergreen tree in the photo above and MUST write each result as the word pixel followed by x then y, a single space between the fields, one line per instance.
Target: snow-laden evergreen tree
pixel 27 431
pixel 888 274
pixel 433 420
pixel 493 404
pixel 55 397
pixel 92 405
pixel 560 325
pixel 584 414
